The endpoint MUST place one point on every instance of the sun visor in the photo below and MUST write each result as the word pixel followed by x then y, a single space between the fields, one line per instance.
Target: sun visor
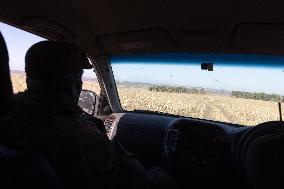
pixel 259 38
pixel 45 28
pixel 143 41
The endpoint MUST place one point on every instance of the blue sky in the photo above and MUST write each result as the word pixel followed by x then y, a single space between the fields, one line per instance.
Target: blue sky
pixel 223 77
pixel 242 72
pixel 18 42
pixel 227 77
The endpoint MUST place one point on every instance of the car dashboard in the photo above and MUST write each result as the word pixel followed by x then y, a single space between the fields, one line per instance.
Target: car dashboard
pixel 199 151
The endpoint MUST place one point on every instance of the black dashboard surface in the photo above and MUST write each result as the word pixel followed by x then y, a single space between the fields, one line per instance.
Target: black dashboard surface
pixel 145 135
pixel 142 134
pixel 194 149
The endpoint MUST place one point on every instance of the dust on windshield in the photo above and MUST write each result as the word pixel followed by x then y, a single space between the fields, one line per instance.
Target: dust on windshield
pixel 233 93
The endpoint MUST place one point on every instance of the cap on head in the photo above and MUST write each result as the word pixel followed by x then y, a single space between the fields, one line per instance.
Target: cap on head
pixel 49 59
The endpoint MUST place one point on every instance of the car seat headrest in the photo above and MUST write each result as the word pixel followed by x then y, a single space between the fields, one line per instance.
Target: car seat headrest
pixel 6 90
pixel 261 155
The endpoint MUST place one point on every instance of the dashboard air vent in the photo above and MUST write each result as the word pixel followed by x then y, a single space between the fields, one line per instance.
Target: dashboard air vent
pixel 171 140
pixel 109 124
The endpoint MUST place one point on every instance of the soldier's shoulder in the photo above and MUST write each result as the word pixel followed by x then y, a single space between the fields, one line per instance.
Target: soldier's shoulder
pixel 20 95
pixel 22 100
pixel 24 97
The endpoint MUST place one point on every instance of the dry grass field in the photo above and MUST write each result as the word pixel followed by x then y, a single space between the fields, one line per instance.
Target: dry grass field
pixel 19 83
pixel 212 107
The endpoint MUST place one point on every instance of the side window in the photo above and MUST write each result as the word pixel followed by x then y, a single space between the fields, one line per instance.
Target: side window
pixel 90 81
pixel 18 81
pixel 18 42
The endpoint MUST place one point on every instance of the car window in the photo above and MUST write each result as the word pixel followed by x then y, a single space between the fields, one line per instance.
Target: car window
pixel 18 42
pixel 90 81
pixel 238 89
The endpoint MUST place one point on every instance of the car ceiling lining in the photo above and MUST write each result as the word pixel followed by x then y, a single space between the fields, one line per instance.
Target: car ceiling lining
pixel 192 26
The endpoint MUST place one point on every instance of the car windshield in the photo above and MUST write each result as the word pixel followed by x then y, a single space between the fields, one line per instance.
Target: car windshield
pixel 235 88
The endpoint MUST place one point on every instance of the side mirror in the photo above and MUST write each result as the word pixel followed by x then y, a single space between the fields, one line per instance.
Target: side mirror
pixel 89 102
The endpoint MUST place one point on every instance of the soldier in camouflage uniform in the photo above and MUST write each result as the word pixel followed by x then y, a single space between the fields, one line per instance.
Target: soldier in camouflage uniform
pixel 49 122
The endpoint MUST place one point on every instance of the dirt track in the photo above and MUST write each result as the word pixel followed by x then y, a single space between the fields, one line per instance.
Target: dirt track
pixel 212 107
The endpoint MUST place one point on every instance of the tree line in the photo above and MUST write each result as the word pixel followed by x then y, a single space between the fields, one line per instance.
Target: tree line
pixel 258 96
pixel 173 89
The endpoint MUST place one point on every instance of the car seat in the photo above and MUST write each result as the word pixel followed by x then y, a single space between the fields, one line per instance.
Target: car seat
pixel 26 170
pixel 6 91
pixel 261 155
pixel 19 169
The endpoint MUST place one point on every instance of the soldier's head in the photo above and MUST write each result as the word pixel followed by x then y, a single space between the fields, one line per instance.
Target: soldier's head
pixel 55 67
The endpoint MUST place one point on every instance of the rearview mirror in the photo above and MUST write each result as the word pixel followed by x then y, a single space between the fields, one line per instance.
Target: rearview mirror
pixel 89 102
